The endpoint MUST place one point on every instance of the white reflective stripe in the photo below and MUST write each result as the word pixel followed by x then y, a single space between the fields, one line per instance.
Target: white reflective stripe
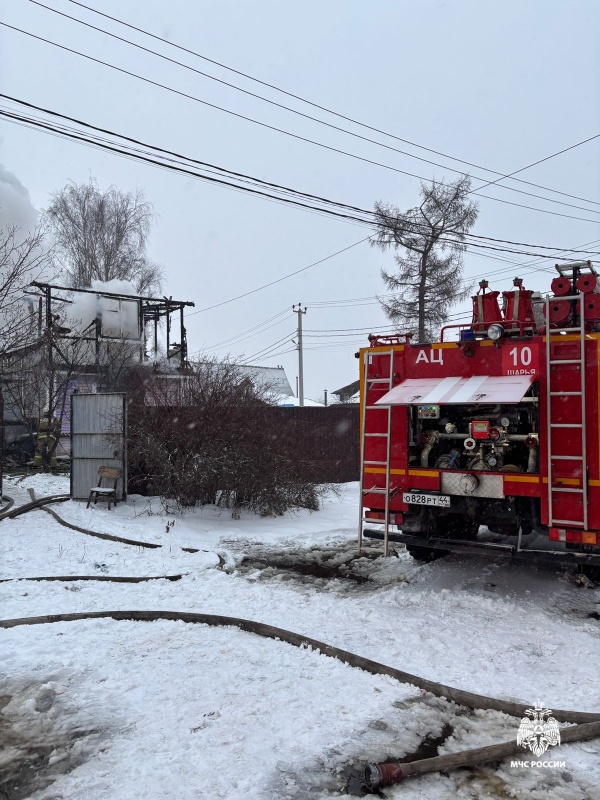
pixel 437 394
pixel 468 389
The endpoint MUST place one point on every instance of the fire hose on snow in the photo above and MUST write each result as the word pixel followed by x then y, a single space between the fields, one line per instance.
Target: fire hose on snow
pixel 11 513
pixel 110 578
pixel 41 503
pixel 587 724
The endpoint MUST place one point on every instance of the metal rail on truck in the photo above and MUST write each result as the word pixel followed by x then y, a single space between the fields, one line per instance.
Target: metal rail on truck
pixel 537 555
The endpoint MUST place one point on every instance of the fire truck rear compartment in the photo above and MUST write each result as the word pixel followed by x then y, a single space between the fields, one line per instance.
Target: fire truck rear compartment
pixel 472 448
pixel 496 426
pixel 472 469
pixel 493 438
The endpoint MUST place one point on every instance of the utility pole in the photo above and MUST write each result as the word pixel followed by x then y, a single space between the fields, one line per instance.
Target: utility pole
pixel 300 311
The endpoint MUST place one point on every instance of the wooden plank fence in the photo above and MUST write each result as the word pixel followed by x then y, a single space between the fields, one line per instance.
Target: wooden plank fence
pixel 328 438
pixel 325 440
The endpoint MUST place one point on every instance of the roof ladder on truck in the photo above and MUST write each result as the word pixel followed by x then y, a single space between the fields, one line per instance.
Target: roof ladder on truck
pixel 567 440
pixel 367 384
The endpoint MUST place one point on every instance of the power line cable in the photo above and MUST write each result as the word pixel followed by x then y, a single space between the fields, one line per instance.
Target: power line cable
pixel 260 353
pixel 27 123
pixel 339 340
pixel 309 266
pixel 303 269
pixel 369 214
pixel 359 334
pixel 468 280
pixel 369 221
pixel 203 164
pixel 273 127
pixel 241 338
pixel 279 280
pixel 182 170
pixel 535 163
pixel 328 110
pixel 272 355
pixel 322 122
pixel 328 257
pixel 364 328
pixel 279 314
pixel 337 345
pixel 359 301
pixel 265 195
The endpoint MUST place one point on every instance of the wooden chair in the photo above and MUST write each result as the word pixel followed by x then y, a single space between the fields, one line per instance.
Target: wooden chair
pixel 107 486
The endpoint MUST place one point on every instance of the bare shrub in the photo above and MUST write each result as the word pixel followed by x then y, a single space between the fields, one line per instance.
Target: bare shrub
pixel 208 436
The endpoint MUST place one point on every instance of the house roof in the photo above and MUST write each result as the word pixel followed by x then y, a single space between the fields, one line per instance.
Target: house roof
pixel 291 401
pixel 347 391
pixel 272 379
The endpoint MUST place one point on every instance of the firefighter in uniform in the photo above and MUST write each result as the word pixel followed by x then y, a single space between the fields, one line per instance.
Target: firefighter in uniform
pixel 45 444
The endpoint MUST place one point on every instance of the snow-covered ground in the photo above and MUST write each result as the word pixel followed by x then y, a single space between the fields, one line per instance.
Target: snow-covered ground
pixel 122 710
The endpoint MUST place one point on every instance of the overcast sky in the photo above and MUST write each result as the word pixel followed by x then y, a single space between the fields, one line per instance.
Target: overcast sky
pixel 499 84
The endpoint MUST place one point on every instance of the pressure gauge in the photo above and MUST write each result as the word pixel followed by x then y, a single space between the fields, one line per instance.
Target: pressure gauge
pixel 505 422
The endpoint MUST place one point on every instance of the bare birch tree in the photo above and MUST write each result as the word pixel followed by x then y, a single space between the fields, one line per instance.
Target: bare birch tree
pixel 429 242
pixel 103 236
pixel 23 258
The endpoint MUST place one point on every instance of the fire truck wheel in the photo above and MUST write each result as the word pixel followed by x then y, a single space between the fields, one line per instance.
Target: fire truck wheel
pixel 461 528
pixel 505 528
pixel 591 572
pixel 424 553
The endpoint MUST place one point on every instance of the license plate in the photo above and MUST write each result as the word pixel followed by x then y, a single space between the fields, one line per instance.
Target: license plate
pixel 418 499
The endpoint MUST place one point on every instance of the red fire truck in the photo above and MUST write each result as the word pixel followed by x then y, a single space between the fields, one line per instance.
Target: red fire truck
pixel 495 425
